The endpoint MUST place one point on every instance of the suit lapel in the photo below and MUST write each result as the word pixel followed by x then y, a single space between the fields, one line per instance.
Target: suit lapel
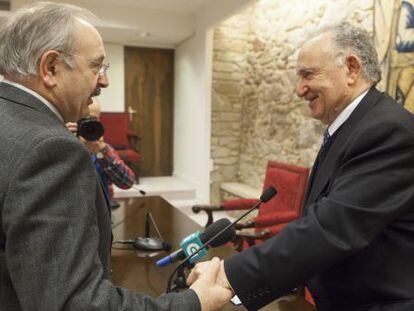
pixel 321 175
pixel 20 97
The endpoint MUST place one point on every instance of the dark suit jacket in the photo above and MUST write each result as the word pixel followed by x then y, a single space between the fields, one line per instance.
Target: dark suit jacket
pixel 55 229
pixel 354 245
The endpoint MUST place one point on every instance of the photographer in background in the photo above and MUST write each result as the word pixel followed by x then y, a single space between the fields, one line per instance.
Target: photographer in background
pixel 109 166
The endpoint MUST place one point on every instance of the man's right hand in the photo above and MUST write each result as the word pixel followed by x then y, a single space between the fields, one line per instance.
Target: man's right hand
pixel 211 293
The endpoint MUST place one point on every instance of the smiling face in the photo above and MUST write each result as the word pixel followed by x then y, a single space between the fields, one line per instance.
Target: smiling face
pixel 76 86
pixel 322 81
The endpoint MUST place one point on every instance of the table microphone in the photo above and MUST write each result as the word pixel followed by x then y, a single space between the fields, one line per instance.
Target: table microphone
pixel 148 243
pixel 139 190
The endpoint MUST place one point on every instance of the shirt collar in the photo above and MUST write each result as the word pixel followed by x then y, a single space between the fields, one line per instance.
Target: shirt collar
pixel 344 115
pixel 38 96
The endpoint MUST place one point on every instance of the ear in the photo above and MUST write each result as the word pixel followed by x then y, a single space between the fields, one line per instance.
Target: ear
pixel 354 67
pixel 48 67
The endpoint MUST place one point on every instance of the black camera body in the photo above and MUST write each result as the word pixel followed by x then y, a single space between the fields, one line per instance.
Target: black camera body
pixel 90 128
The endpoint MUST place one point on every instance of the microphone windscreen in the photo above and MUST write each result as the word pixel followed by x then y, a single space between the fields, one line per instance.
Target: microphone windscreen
pixel 215 228
pixel 268 194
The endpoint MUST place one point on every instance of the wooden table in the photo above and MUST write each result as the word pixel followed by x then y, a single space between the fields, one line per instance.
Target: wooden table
pixel 137 271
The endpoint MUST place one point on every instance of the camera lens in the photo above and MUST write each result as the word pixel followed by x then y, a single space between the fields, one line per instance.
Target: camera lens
pixel 90 128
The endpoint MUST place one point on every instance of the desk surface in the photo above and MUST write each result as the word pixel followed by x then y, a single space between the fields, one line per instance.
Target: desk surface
pixel 137 271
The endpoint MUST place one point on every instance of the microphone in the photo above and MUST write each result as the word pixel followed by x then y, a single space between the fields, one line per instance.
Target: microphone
pixel 265 197
pixel 194 243
pixel 139 190
pixel 148 243
pixel 268 194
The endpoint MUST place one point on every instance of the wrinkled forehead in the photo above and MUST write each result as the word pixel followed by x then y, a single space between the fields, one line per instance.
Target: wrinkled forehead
pixel 316 50
pixel 322 43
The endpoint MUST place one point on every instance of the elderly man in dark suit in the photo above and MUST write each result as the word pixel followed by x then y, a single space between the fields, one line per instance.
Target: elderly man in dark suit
pixel 354 245
pixel 55 230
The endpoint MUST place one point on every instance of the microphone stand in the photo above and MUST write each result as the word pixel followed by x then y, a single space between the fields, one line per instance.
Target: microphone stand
pixel 184 263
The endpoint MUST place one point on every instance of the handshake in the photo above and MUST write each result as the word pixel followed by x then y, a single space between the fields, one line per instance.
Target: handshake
pixel 209 281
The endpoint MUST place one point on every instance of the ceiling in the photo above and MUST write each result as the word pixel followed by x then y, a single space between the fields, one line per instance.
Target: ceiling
pixel 150 23
pixel 153 23
pixel 190 6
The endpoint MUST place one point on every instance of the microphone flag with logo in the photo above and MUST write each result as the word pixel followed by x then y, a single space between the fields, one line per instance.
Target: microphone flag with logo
pixel 192 243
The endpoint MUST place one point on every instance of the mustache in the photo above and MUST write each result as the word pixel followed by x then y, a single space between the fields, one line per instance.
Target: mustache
pixel 97 92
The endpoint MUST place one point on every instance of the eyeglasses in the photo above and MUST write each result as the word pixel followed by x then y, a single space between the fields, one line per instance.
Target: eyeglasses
pixel 100 68
pixel 103 69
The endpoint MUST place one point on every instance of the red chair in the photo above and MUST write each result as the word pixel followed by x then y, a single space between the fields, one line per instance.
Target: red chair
pixel 119 136
pixel 290 182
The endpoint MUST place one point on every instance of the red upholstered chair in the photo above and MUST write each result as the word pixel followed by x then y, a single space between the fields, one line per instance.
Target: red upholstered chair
pixel 119 136
pixel 290 183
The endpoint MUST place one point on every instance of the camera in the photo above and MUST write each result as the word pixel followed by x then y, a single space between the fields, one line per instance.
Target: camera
pixel 90 128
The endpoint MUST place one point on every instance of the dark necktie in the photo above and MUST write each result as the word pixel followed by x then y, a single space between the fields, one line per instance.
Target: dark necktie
pixel 322 151
pixel 325 146
pixel 318 162
pixel 326 138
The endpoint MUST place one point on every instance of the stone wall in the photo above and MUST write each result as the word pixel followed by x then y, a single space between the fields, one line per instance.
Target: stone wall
pixel 256 115
pixel 229 62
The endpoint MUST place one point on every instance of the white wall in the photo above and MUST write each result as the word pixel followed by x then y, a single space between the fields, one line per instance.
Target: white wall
pixel 192 114
pixel 113 97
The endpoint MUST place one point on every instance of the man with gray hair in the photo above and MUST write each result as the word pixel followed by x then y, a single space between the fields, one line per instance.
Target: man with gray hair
pixel 55 229
pixel 354 244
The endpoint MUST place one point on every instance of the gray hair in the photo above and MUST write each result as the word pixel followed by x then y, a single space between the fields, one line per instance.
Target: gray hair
pixel 350 39
pixel 33 30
